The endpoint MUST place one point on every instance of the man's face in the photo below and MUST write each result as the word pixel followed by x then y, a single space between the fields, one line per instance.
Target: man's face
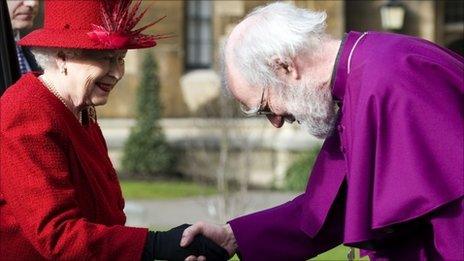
pixel 308 103
pixel 22 13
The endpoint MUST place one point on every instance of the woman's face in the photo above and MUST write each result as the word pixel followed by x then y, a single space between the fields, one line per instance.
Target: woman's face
pixel 93 75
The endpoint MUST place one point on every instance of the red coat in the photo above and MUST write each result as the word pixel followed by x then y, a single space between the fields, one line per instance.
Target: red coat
pixel 59 194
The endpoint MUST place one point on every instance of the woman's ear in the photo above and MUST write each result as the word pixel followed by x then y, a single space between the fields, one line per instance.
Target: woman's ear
pixel 60 60
pixel 284 67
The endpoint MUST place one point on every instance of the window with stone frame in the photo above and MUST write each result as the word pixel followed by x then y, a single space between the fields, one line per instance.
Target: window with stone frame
pixel 454 12
pixel 454 25
pixel 198 34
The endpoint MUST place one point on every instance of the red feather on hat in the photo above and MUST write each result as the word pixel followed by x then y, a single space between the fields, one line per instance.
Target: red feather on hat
pixel 119 20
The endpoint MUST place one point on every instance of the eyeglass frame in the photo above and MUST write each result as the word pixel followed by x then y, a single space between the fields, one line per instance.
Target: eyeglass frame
pixel 260 111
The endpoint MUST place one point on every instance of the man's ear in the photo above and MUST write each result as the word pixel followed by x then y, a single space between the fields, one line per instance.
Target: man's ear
pixel 284 67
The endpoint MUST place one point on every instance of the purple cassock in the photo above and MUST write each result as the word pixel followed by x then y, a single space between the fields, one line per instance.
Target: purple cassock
pixel 390 179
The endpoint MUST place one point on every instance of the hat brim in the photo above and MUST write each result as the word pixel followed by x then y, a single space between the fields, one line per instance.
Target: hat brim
pixel 72 39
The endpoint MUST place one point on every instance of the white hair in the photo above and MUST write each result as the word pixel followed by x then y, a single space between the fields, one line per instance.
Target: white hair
pixel 45 56
pixel 279 29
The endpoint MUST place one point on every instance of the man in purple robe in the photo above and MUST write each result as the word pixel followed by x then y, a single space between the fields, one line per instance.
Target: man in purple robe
pixel 390 176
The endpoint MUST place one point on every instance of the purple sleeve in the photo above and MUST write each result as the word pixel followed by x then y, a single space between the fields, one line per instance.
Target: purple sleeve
pixel 276 234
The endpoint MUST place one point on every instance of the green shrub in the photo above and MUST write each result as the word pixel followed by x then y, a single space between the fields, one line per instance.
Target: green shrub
pixel 146 152
pixel 297 174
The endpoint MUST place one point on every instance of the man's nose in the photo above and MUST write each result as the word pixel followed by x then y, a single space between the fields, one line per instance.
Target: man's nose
pixel 276 120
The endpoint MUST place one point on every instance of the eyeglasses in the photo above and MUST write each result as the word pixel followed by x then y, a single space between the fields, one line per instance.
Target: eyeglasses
pixel 260 110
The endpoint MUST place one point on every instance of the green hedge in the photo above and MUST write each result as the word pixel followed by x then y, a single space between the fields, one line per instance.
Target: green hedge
pixel 297 174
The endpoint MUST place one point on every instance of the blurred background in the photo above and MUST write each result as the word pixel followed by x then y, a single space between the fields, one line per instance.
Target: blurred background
pixel 191 155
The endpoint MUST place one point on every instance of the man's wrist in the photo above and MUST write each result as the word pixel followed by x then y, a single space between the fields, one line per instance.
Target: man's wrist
pixel 230 243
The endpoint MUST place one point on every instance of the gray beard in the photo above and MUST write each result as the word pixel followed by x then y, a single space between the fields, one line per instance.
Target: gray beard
pixel 312 107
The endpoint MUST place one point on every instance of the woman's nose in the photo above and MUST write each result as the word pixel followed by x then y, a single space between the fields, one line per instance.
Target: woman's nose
pixel 117 70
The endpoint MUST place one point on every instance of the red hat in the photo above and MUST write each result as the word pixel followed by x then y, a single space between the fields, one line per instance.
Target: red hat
pixel 92 24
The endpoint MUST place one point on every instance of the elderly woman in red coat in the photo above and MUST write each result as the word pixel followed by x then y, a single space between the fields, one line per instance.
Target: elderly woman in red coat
pixel 60 197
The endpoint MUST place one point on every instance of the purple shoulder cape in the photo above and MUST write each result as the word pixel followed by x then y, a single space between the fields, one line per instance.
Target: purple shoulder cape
pixel 401 134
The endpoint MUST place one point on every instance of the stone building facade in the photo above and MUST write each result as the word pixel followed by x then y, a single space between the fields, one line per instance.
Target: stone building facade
pixel 190 85
pixel 202 24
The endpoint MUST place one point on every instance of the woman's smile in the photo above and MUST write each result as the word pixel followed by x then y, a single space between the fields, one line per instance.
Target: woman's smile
pixel 106 87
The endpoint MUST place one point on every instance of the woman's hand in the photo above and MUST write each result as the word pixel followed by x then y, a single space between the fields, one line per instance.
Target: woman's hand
pixel 221 235
pixel 166 246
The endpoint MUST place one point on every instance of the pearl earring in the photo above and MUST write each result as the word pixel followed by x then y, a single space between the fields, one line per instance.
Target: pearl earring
pixel 64 70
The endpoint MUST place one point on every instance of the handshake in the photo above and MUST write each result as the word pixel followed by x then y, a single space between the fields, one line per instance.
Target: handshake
pixel 198 242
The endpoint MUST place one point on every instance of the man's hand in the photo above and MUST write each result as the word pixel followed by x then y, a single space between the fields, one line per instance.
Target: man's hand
pixel 166 247
pixel 221 235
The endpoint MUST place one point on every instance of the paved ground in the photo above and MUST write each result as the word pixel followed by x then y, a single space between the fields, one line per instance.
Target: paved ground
pixel 164 214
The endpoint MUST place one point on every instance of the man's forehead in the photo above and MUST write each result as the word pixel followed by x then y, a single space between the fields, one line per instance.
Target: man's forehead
pixel 238 85
pixel 240 88
pixel 234 78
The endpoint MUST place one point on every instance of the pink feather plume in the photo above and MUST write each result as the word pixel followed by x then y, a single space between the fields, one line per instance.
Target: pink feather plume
pixel 119 20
